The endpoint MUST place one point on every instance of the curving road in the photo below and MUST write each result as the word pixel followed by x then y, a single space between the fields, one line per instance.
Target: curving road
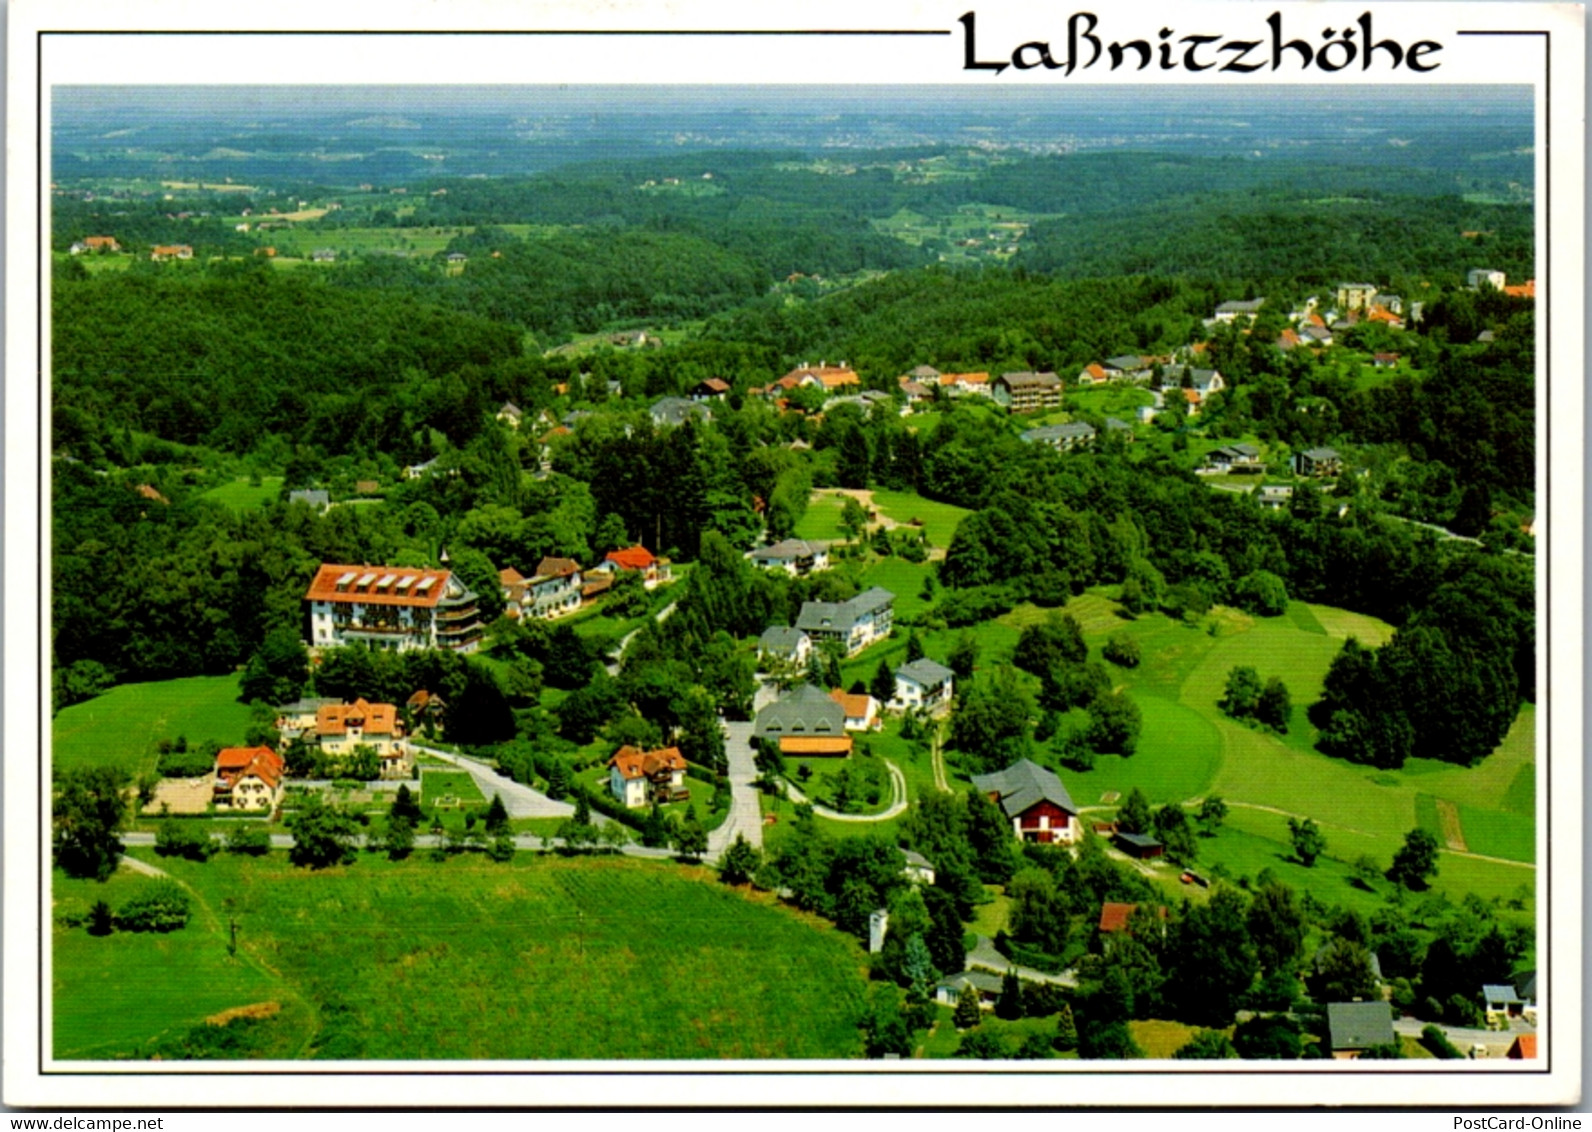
pixel 898 800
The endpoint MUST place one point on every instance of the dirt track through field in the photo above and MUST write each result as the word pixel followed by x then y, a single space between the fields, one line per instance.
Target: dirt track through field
pixel 1448 821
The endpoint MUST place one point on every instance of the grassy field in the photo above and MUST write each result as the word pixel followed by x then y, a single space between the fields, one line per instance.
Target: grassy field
pixel 121 727
pixel 438 784
pixel 112 994
pixel 241 495
pixel 543 958
pixel 902 578
pixel 939 520
pixel 821 520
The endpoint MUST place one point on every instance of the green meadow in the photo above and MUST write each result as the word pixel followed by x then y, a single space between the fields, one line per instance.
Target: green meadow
pixel 241 495
pixel 543 958
pixel 121 727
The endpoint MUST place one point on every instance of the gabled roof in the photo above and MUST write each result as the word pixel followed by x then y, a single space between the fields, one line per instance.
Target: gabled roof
pixel 1503 994
pixel 374 719
pixel 509 576
pixel 924 671
pixel 781 639
pixel 1115 917
pixel 1022 785
pixel 555 568
pixel 788 550
pixel 1049 434
pixel 631 558
pixel 236 763
pixel 1321 453
pixel 806 711
pixel 1096 371
pixel 633 762
pixel 855 706
pixel 842 616
pixel 1524 1047
pixel 799 745
pixel 1127 362
pixel 1138 840
pixel 924 373
pixel 1358 1025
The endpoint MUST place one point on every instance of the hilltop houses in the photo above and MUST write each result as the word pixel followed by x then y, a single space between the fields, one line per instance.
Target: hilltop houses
pixel 856 624
pixel 392 608
pixel 638 559
pixel 1317 462
pixel 162 253
pixel 1239 309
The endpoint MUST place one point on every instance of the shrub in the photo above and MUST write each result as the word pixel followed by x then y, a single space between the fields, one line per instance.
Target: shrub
pixel 159 907
pixel 1122 650
pixel 184 763
pixel 179 839
pixel 249 839
pixel 1438 1044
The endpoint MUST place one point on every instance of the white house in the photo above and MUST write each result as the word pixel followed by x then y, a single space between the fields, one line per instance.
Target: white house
pixel 794 556
pixel 856 624
pixel 392 608
pixel 922 683
pixel 784 643
pixel 248 778
pixel 1480 275
pixel 639 778
pixel 862 710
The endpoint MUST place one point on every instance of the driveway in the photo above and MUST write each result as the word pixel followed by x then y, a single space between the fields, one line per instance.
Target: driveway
pixel 984 957
pixel 520 800
pixel 745 816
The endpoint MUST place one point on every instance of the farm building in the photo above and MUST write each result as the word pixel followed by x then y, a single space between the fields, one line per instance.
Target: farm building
pixel 1139 845
pixel 1034 801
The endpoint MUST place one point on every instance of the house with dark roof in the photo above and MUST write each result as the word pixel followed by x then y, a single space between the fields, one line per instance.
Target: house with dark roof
pixel 922 683
pixel 856 624
pixel 1027 392
pixel 553 591
pixel 1064 437
pixel 1034 801
pixel 805 723
pixel 918 868
pixel 797 557
pixel 986 985
pixel 1317 462
pixel 784 643
pixel 1354 1027
pixel 672 412
pixel 1140 845
pixel 1234 309
pixel 1129 366
pixel 317 498
pixel 509 413
pixel 1234 457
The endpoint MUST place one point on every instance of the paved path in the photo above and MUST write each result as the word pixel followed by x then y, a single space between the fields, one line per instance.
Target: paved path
pixel 624 642
pixel 136 865
pixel 746 815
pixel 520 800
pixel 1464 1037
pixel 985 958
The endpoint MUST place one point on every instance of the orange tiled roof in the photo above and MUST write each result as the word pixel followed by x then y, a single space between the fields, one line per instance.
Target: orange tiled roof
pixel 633 762
pixel 365 585
pixel 235 763
pixel 1114 917
pixel 832 377
pixel 815 745
pixel 1096 371
pixel 511 577
pixel 855 706
pixel 964 379
pixel 632 558
pixel 1526 290
pixel 1192 396
pixel 1525 1047
pixel 376 719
